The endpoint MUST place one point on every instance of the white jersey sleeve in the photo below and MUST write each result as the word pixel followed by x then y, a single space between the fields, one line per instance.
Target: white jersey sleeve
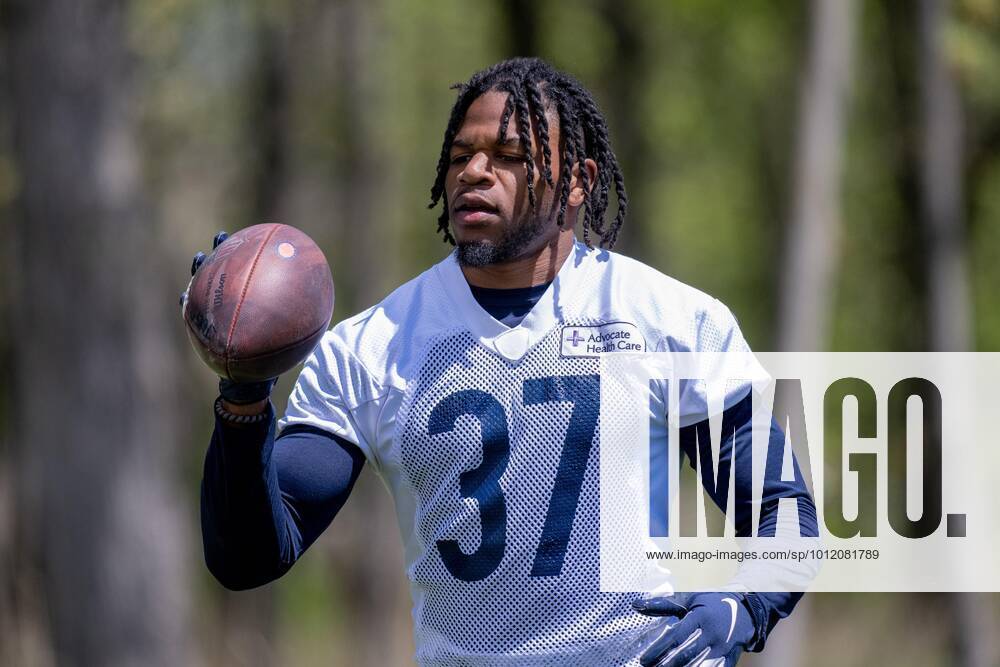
pixel 725 365
pixel 336 393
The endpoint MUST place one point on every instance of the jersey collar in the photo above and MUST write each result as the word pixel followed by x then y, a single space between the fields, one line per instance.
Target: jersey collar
pixel 558 302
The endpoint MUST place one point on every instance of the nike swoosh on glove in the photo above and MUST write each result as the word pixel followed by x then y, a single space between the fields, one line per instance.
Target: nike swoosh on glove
pixel 698 629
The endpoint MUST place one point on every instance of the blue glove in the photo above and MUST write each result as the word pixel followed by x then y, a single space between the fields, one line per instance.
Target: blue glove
pixel 698 629
pixel 237 393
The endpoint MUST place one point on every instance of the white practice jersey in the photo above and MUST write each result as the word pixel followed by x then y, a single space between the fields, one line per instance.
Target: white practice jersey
pixel 487 437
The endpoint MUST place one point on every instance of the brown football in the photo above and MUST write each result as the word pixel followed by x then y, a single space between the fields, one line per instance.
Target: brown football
pixel 259 303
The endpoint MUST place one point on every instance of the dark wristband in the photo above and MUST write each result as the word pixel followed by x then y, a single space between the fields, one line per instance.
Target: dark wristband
pixel 245 393
pixel 239 420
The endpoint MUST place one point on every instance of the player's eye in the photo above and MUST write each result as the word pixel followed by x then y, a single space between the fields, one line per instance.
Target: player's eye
pixel 513 158
pixel 459 159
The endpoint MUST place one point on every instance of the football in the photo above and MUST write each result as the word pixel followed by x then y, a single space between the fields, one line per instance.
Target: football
pixel 259 304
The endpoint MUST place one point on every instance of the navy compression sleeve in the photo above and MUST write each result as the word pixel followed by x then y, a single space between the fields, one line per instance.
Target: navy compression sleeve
pixel 265 500
pixel 737 428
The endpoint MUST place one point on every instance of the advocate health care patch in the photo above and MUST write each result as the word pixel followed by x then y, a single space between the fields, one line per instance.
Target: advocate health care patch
pixel 593 341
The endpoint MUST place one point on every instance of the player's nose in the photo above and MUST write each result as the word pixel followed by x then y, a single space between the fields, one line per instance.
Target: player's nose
pixel 476 170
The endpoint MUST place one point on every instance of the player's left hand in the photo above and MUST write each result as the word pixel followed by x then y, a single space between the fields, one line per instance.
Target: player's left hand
pixel 698 630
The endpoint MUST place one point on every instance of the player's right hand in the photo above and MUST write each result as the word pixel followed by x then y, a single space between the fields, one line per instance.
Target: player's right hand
pixel 236 393
pixel 696 630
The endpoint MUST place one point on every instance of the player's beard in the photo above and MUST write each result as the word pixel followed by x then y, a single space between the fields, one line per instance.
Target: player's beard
pixel 511 245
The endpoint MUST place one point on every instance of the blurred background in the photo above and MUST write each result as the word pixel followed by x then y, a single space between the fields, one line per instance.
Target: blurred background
pixel 828 168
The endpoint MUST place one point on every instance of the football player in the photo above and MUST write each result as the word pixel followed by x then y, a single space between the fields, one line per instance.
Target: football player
pixel 473 390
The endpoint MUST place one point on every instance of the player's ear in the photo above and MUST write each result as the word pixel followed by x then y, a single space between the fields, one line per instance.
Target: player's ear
pixel 576 192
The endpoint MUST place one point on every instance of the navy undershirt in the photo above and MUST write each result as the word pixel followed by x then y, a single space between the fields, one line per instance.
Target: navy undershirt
pixel 264 500
pixel 508 306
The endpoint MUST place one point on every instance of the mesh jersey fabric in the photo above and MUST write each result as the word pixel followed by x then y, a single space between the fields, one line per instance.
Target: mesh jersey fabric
pixel 487 437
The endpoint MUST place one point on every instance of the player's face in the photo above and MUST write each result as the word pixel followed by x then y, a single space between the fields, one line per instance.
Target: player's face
pixel 491 217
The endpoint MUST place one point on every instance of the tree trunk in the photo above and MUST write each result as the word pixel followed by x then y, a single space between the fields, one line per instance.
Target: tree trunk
pixel 807 286
pixel 520 19
pixel 624 90
pixel 368 552
pixel 93 412
pixel 949 301
pixel 941 187
pixel 248 618
pixel 813 233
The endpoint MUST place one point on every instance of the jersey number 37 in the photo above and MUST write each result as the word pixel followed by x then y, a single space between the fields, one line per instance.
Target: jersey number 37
pixel 483 482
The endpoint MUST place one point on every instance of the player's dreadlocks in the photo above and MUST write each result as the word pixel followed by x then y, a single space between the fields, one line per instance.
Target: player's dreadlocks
pixel 533 86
